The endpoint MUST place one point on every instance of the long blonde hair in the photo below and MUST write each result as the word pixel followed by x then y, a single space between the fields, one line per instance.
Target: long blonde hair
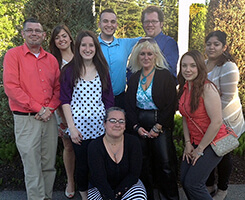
pixel 151 44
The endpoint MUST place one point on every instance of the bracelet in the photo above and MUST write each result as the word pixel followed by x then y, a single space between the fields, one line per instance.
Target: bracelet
pixel 137 127
pixel 156 130
pixel 187 141
pixel 200 153
pixel 44 110
pixel 72 126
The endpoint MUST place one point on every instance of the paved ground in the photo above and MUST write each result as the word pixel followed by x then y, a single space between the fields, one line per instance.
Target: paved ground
pixel 235 192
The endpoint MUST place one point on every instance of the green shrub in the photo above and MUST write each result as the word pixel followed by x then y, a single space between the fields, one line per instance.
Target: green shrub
pixel 6 119
pixel 241 149
pixel 178 135
pixel 8 152
pixel 178 138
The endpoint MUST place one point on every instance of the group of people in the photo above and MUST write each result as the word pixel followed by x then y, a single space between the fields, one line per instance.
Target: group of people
pixel 208 102
pixel 81 86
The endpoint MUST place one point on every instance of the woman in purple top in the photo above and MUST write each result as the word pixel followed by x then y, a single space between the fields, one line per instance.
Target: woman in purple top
pixel 85 94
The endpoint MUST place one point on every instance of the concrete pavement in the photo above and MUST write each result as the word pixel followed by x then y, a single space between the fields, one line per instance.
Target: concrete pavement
pixel 235 192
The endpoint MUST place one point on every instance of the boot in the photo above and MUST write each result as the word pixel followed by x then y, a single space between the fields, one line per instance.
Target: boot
pixel 220 195
pixel 84 195
pixel 212 189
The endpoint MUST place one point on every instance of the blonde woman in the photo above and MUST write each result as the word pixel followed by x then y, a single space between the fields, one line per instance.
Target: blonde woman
pixel 150 107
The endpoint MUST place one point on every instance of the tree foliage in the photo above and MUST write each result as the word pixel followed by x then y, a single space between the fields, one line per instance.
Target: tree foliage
pixel 170 25
pixel 197 26
pixel 76 14
pixel 10 17
pixel 229 16
pixel 128 16
pixel 170 10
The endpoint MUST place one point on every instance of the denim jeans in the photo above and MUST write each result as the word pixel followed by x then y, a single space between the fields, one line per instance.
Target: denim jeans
pixel 224 170
pixel 193 178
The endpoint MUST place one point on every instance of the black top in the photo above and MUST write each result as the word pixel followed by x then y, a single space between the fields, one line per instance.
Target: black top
pixel 163 94
pixel 109 177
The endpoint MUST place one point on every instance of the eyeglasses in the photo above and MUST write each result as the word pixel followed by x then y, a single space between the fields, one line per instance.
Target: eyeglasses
pixel 154 22
pixel 149 39
pixel 30 31
pixel 114 121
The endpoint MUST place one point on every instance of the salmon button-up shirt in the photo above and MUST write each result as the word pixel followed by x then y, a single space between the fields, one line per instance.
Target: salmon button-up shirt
pixel 31 82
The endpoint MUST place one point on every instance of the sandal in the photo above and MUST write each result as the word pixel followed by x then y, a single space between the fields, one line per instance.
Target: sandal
pixel 69 195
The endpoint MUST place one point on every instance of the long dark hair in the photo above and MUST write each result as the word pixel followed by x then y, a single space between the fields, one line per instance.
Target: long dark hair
pixel 53 48
pixel 98 59
pixel 226 56
pixel 198 83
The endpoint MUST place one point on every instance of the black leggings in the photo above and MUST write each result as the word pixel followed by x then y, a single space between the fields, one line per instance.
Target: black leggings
pixel 82 169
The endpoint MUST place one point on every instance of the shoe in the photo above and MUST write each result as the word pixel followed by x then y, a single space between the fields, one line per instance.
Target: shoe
pixel 212 189
pixel 220 195
pixel 84 195
pixel 69 195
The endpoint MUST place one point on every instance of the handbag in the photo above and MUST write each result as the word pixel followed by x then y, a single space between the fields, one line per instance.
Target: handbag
pixel 147 118
pixel 223 145
pixel 226 143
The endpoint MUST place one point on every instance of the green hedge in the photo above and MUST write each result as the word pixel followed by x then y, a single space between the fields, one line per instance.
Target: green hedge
pixel 179 138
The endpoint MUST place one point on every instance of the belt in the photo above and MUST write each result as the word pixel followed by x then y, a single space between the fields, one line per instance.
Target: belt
pixel 22 113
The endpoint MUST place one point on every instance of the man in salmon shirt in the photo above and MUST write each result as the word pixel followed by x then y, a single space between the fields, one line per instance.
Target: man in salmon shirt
pixel 31 82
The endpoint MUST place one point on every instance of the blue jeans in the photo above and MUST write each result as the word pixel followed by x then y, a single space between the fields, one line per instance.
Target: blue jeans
pixel 193 178
pixel 224 170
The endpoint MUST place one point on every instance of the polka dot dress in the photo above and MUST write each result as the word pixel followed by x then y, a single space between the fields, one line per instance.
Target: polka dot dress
pixel 87 108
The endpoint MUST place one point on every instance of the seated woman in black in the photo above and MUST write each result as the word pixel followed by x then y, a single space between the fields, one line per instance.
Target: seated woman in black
pixel 115 161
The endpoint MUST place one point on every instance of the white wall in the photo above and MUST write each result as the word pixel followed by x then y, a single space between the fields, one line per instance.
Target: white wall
pixel 183 32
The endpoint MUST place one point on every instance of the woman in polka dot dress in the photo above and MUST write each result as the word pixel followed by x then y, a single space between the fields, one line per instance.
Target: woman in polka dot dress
pixel 85 94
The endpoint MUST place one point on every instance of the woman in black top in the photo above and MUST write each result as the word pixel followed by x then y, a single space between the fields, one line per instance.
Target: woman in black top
pixel 115 161
pixel 150 107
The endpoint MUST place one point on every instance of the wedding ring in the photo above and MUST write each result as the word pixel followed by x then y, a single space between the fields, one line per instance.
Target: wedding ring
pixel 48 119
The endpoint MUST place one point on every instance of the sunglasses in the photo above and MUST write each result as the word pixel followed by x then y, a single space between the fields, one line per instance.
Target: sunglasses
pixel 151 40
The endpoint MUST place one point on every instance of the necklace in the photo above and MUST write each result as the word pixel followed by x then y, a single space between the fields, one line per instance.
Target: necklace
pixel 144 79
pixel 114 146
pixel 115 154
